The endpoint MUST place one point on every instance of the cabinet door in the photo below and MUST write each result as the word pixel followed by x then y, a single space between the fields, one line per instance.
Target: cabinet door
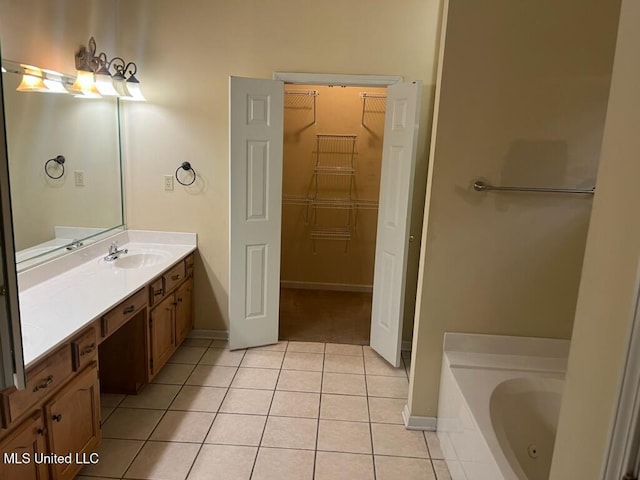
pixel 184 310
pixel 73 420
pixel 162 333
pixel 19 451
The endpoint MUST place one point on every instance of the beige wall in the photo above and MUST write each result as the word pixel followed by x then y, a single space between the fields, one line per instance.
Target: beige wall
pixel 610 269
pixel 338 112
pixel 186 52
pixel 47 33
pixel 522 102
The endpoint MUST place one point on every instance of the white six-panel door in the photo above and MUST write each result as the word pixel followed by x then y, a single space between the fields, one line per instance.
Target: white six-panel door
pixel 255 204
pixel 394 217
pixel 255 199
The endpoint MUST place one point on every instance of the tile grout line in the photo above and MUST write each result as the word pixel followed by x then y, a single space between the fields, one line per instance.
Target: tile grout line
pixel 144 444
pixel 366 389
pixel 215 414
pixel 315 452
pixel 266 420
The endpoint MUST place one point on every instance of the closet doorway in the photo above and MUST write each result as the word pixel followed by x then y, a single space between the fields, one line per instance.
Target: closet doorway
pixel 256 113
pixel 332 160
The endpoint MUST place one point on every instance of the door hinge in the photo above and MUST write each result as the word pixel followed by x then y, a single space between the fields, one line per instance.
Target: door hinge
pixel 3 291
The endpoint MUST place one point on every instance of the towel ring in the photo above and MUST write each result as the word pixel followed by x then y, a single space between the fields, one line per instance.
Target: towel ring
pixel 59 160
pixel 186 166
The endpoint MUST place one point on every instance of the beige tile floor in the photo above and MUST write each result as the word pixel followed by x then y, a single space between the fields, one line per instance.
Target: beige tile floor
pixel 294 410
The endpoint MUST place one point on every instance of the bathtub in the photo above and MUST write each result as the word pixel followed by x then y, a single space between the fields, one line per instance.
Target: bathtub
pixel 499 404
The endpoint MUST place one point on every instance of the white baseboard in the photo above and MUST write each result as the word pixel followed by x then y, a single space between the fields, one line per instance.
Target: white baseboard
pixel 209 334
pixel 418 423
pixel 337 287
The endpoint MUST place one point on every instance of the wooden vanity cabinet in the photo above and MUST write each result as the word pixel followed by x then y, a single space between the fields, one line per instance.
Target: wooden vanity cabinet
pixel 171 317
pixel 73 422
pixel 162 334
pixel 20 448
pixel 59 411
pixel 67 422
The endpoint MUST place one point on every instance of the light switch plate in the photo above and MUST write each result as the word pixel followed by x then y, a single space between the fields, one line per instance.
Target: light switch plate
pixel 168 182
pixel 79 178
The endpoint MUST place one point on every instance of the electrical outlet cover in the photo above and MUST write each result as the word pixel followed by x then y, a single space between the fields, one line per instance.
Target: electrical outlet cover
pixel 168 182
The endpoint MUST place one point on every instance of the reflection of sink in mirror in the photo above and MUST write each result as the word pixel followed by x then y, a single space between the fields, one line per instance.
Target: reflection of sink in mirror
pixel 23 255
pixel 141 259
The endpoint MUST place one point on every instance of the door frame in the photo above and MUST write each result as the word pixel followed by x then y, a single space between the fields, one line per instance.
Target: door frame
pixel 337 79
pixel 351 80
pixel 623 456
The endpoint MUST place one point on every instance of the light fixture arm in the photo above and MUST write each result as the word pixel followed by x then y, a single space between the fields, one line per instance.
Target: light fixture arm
pixel 119 66
pixel 86 59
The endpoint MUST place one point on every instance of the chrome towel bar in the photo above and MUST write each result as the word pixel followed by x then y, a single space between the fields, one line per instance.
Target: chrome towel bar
pixel 480 186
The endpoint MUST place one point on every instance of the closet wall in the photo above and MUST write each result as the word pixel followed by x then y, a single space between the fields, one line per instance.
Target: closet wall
pixel 330 195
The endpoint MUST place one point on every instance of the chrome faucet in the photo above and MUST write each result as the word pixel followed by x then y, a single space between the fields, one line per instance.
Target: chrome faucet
pixel 75 244
pixel 114 253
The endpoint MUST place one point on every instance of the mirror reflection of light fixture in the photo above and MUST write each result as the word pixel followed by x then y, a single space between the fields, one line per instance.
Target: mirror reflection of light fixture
pixel 54 81
pixel 32 80
pixel 36 79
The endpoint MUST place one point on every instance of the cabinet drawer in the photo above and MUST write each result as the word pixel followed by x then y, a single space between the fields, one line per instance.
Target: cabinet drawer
pixel 156 292
pixel 173 277
pixel 123 312
pixel 43 379
pixel 188 265
pixel 84 349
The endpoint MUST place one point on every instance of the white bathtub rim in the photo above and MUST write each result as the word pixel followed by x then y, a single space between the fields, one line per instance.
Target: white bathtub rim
pixel 478 396
pixel 480 343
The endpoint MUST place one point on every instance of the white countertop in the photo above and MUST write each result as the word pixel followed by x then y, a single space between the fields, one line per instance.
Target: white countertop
pixel 59 298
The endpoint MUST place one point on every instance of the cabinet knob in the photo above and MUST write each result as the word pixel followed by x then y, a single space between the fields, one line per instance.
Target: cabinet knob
pixel 175 277
pixel 157 293
pixel 42 432
pixel 129 309
pixel 57 418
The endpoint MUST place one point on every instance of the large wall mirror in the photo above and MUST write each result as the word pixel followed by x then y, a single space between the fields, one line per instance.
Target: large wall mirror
pixel 64 168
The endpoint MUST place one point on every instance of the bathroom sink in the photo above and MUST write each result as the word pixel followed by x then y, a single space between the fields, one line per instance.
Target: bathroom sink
pixel 141 259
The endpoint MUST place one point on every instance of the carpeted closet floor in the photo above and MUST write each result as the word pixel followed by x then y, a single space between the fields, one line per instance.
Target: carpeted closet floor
pixel 325 316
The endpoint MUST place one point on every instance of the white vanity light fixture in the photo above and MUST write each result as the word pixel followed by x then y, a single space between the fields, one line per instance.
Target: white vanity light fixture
pixel 133 85
pixel 86 63
pixel 113 77
pixel 127 88
pixel 104 82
